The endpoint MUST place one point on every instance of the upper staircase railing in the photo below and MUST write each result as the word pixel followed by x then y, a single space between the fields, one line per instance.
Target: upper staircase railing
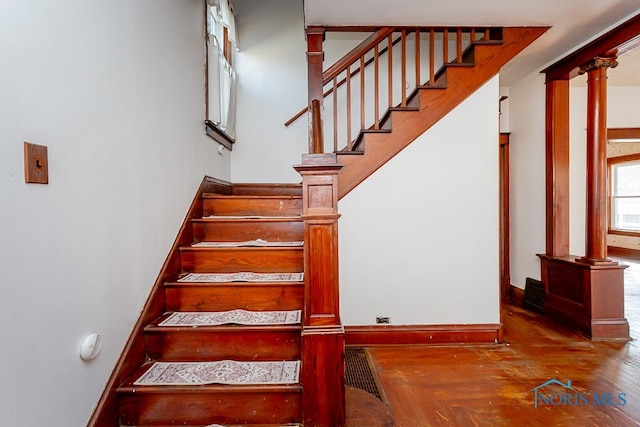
pixel 382 73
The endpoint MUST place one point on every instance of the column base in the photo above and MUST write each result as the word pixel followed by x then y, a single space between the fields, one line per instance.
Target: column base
pixel 586 296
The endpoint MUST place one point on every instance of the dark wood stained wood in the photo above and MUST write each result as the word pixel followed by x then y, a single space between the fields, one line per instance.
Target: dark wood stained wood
pixel 229 296
pixel 218 135
pixel 323 377
pixel 105 413
pixel 621 134
pixel 461 81
pixel 557 167
pixel 168 405
pixel 516 295
pixel 229 342
pixel 251 205
pixel 240 230
pixel 248 189
pixel 597 206
pixel 230 260
pixel 588 297
pixel 625 253
pixel 491 385
pixel 620 39
pixel 505 244
pixel 422 334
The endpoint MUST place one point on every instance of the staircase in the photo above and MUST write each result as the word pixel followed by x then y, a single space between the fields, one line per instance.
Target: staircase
pixel 404 80
pixel 267 219
pixel 278 215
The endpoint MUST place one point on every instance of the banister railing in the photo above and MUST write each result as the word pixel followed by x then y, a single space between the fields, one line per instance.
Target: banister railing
pixel 356 96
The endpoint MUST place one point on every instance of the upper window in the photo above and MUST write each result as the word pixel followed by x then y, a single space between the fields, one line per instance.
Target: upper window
pixel 625 194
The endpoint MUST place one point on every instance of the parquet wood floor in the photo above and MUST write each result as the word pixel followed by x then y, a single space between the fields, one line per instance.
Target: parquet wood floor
pixel 492 385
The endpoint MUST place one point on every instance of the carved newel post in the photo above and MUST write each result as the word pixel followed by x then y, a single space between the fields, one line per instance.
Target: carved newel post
pixel 323 403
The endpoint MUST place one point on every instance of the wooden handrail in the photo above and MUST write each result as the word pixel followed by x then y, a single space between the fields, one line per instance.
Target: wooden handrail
pixel 340 83
pixel 355 54
pixel 445 45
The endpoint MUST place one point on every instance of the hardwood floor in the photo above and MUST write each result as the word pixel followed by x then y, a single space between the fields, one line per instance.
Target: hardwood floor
pixel 493 385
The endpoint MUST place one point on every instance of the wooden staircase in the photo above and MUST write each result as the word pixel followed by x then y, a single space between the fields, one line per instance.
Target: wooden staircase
pixel 243 213
pixel 430 72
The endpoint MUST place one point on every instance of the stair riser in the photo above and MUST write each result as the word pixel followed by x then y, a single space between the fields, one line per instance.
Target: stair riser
pixel 285 231
pixel 195 345
pixel 263 260
pixel 222 297
pixel 252 206
pixel 202 408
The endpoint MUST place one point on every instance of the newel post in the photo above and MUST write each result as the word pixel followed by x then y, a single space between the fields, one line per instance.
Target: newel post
pixel 315 57
pixel 323 399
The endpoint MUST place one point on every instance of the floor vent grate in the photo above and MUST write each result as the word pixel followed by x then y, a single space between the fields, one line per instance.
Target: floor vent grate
pixel 358 371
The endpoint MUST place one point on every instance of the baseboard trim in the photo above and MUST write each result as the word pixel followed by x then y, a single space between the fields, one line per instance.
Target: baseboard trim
pixel 423 334
pixel 516 295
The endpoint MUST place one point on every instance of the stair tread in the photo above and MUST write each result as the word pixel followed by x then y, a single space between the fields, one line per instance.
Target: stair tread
pixel 246 217
pixel 248 196
pixel 221 218
pixel 129 385
pixel 238 319
pixel 260 243
pixel 239 248
pixel 241 277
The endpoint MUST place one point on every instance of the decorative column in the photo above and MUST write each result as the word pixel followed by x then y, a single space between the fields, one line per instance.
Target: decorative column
pixel 315 58
pixel 323 393
pixel 585 292
pixel 557 167
pixel 597 212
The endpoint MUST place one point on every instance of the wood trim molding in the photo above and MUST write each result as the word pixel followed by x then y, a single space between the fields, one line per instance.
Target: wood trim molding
pixel 516 295
pixel 620 39
pixel 105 413
pixel 219 135
pixel 623 134
pixel 423 334
pixel 632 254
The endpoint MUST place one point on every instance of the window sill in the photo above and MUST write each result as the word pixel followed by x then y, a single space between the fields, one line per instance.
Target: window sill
pixel 219 135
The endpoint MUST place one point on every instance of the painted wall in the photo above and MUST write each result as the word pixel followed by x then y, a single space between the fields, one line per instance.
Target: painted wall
pixel 115 90
pixel 272 88
pixel 420 248
pixel 527 155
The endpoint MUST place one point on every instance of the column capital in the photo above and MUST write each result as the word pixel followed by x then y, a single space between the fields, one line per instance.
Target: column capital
pixel 599 62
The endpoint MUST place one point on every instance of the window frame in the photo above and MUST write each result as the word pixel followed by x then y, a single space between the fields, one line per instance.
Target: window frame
pixel 611 162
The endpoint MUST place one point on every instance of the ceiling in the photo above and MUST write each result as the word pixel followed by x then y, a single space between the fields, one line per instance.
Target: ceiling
pixel 572 22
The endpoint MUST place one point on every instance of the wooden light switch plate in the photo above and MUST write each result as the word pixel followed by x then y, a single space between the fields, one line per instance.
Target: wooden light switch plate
pixel 36 164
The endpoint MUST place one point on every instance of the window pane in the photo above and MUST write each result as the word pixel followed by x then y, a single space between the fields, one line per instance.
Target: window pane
pixel 626 213
pixel 627 179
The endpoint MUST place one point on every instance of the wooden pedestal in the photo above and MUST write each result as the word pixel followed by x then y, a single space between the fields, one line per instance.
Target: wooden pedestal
pixel 587 297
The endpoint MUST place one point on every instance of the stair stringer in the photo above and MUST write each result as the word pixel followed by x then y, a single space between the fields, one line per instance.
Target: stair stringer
pixel 434 104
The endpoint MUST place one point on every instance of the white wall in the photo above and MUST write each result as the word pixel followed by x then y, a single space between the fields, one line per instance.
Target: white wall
pixel 419 238
pixel 272 87
pixel 527 155
pixel 115 90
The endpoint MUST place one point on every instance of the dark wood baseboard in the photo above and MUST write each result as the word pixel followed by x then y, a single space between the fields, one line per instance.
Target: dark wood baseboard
pixel 625 253
pixel 516 295
pixel 423 334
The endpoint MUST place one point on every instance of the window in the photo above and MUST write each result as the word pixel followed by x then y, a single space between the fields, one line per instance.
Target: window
pixel 624 175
